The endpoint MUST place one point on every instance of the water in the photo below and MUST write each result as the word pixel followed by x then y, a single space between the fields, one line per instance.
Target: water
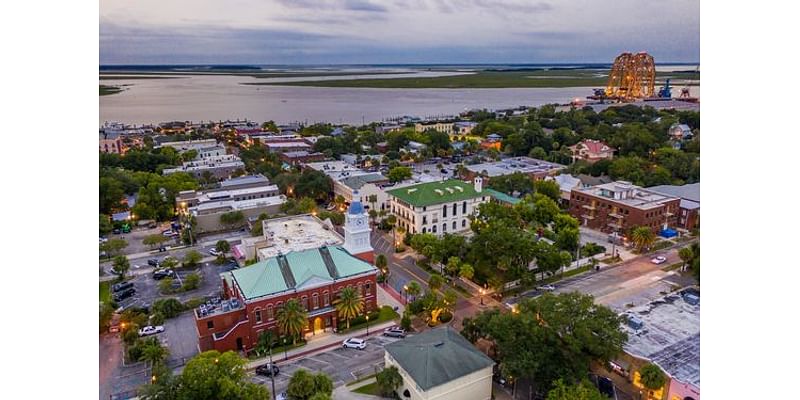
pixel 220 97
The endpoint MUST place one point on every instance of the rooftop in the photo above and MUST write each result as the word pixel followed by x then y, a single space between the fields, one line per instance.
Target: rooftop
pixel 509 166
pixel 502 197
pixel 356 182
pixel 231 205
pixel 337 170
pixel 211 162
pixel 296 233
pixel 244 180
pixel 426 194
pixel 669 336
pixel 628 194
pixel 297 270
pixel 437 356
pixel 688 192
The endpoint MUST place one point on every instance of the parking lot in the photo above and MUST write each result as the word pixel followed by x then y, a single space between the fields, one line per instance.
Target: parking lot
pixel 340 364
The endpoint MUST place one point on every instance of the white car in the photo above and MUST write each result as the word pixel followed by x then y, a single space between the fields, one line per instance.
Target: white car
pixel 168 233
pixel 151 330
pixel 214 252
pixel 659 260
pixel 546 288
pixel 282 396
pixel 355 343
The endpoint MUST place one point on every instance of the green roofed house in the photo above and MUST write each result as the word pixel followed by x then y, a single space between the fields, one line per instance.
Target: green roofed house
pixel 440 364
pixel 437 207
pixel 254 294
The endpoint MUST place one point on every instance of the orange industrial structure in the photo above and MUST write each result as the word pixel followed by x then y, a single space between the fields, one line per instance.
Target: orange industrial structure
pixel 633 76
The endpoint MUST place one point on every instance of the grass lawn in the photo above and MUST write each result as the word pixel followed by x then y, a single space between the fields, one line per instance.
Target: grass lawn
pixel 277 351
pixel 371 389
pixel 386 314
pixel 489 79
pixel 359 380
pixel 105 291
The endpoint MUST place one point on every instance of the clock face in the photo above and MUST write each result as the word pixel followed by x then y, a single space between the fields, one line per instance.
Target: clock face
pixel 359 222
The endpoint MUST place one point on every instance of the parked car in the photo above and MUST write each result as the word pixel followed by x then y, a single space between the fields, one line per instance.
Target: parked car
pixel 546 288
pixel 355 343
pixel 122 295
pixel 117 287
pixel 116 231
pixel 267 369
pixel 606 387
pixel 394 331
pixel 169 233
pixel 159 275
pixel 214 252
pixel 151 330
pixel 659 260
pixel 153 262
pixel 103 239
pixel 282 396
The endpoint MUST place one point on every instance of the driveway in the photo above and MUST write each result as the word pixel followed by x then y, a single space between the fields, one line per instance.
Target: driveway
pixel 180 337
pixel 340 364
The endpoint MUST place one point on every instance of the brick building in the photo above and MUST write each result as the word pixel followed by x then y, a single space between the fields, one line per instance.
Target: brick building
pixel 689 215
pixel 314 277
pixel 619 206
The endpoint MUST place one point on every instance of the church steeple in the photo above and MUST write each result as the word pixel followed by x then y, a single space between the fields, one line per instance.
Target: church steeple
pixel 357 230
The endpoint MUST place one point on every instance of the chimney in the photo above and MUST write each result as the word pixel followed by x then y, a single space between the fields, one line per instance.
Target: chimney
pixel 478 184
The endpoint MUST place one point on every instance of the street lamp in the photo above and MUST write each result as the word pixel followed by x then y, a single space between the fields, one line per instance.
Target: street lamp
pixel 482 293
pixel 285 357
pixel 367 324
pixel 405 290
pixel 153 380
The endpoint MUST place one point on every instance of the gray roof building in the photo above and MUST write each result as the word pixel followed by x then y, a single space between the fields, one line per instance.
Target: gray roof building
pixel 437 356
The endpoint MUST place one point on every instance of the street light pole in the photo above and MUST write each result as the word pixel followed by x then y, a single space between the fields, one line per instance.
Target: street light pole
pixel 285 356
pixel 272 371
pixel 367 325
pixel 482 292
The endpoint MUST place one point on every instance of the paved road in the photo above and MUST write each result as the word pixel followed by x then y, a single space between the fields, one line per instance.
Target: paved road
pixel 110 362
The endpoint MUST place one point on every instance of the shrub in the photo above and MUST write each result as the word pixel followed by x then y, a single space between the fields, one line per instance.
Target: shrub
pixel 191 282
pixel 157 318
pixel 193 303
pixel 169 308
pixel 590 249
pixel 405 322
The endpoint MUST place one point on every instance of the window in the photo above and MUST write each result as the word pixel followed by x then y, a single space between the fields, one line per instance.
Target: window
pixel 444 211
pixel 210 324
pixel 454 225
pixel 325 298
pixel 270 315
pixel 305 302
pixel 315 301
pixel 464 207
pixel 360 289
pixel 455 209
pixel 367 288
pixel 434 229
pixel 258 316
pixel 424 219
pixel 424 208
pixel 463 223
pixel 444 227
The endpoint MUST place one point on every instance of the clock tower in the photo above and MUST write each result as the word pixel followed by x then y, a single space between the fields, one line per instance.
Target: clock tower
pixel 357 231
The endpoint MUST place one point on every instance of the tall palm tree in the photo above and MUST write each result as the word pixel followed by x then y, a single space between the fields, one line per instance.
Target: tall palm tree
pixel 154 353
pixel 292 318
pixel 414 289
pixel 642 237
pixel 381 262
pixel 349 304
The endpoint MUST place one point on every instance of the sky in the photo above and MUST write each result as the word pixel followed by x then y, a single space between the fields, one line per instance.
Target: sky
pixel 395 31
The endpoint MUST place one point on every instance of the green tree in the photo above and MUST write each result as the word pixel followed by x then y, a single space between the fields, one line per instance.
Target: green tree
pixel 414 289
pixel 453 266
pixel 113 246
pixel 642 237
pixel 223 247
pixel 652 377
pixel 339 201
pixel 169 308
pixel 349 304
pixel 686 255
pixel 568 239
pixel 121 265
pixel 168 263
pixel 579 391
pixel 435 282
pixel 192 258
pixel 191 282
pixel 266 340
pixel 389 380
pixel 544 209
pixel 105 225
pixel 549 189
pixel 165 286
pixel 466 271
pixel 398 174
pixel 292 318
pixel 153 352
pixel 304 385
pixel 232 219
pixel 154 240
pixel 208 376
pixel 381 262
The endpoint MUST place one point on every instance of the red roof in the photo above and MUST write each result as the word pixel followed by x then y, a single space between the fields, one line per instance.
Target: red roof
pixel 595 146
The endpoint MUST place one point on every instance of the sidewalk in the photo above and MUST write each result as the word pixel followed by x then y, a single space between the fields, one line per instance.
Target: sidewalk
pixel 321 343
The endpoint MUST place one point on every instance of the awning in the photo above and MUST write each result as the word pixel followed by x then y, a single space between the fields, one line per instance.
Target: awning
pixel 237 252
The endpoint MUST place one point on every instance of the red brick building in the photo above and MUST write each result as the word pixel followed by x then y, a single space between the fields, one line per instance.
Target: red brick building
pixel 620 206
pixel 314 277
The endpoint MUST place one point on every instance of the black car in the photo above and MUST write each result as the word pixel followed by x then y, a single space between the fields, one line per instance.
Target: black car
pixel 267 369
pixel 158 275
pixel 116 231
pixel 121 286
pixel 152 262
pixel 124 294
pixel 606 387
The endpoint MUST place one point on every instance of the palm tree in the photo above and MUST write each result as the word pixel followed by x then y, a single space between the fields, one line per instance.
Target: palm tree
pixel 466 271
pixel 292 318
pixel 435 282
pixel 349 304
pixel 686 256
pixel 339 201
pixel 154 353
pixel 414 289
pixel 642 237
pixel 381 262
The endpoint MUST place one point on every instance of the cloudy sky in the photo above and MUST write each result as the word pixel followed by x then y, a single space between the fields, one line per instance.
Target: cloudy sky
pixel 395 31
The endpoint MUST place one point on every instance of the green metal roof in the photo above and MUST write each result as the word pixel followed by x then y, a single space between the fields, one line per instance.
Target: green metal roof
pixel 502 197
pixel 296 269
pixel 437 356
pixel 425 194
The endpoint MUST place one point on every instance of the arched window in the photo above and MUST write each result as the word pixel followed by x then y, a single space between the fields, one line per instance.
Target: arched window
pixel 258 315
pixel 326 300
pixel 454 225
pixel 270 315
pixel 315 301
pixel 305 303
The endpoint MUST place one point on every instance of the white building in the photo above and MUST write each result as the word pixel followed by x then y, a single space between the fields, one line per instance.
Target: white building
pixel 348 179
pixel 440 364
pixel 437 207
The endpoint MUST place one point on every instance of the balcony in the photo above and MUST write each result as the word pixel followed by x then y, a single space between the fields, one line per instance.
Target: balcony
pixel 616 215
pixel 615 225
pixel 590 207
pixel 587 216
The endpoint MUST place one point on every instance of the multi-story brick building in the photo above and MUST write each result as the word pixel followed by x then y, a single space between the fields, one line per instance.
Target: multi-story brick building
pixel 437 207
pixel 689 215
pixel 314 277
pixel 619 206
